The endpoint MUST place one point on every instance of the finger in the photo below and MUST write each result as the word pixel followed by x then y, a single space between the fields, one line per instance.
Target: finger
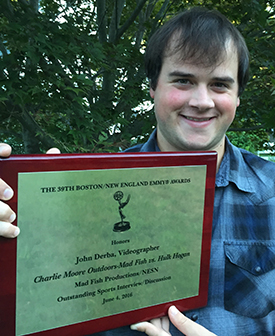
pixel 165 324
pixel 185 325
pixel 149 329
pixel 156 322
pixel 6 192
pixel 8 230
pixel 5 150
pixel 53 151
pixel 161 323
pixel 6 213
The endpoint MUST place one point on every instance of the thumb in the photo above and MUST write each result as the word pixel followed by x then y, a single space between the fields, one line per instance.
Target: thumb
pixel 53 151
pixel 185 325
pixel 5 150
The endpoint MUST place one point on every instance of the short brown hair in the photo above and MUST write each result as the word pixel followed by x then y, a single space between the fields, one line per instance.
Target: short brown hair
pixel 200 36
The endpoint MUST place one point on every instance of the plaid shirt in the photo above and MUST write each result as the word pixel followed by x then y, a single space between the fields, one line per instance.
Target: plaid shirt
pixel 242 268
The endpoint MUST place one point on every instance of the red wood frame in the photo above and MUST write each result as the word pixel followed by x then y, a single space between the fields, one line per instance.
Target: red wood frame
pixel 9 169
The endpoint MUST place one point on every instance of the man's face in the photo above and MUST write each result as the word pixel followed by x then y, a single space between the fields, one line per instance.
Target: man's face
pixel 194 105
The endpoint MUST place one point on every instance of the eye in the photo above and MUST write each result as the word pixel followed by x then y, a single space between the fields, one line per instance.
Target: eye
pixel 220 85
pixel 183 81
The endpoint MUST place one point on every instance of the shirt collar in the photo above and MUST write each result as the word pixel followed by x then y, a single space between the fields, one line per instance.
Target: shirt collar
pixel 151 145
pixel 233 169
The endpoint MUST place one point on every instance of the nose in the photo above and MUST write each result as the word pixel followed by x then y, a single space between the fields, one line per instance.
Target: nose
pixel 201 98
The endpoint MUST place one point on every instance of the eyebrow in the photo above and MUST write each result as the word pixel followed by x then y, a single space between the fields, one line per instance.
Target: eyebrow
pixel 177 73
pixel 224 79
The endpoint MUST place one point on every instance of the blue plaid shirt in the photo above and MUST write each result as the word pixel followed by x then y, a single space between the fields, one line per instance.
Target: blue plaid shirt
pixel 242 268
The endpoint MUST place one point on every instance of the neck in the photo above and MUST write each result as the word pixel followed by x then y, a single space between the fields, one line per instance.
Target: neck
pixel 220 149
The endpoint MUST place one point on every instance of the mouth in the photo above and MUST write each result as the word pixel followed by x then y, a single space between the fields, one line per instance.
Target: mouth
pixel 198 119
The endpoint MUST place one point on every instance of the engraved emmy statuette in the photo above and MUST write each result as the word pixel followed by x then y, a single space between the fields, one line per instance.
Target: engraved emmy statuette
pixel 122 225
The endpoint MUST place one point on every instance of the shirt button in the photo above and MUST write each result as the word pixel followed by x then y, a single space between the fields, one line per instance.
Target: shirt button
pixel 258 269
pixel 194 317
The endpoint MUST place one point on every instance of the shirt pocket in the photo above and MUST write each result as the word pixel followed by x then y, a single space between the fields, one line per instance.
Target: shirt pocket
pixel 249 288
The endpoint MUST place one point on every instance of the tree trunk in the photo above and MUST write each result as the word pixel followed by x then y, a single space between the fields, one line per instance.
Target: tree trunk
pixel 31 143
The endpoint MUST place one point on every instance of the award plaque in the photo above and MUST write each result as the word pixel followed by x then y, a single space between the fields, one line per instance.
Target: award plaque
pixel 106 240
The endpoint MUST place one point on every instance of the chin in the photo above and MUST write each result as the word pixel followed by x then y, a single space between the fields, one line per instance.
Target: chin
pixel 195 146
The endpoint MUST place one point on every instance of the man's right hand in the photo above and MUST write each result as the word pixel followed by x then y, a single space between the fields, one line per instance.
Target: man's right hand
pixel 7 216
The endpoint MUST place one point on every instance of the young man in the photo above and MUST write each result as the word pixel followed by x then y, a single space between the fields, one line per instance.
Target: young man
pixel 197 64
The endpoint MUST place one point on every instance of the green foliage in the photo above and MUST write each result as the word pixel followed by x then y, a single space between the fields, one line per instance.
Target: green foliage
pixel 71 73
pixel 252 142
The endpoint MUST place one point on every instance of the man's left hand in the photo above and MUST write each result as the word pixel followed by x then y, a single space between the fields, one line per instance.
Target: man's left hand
pixel 160 327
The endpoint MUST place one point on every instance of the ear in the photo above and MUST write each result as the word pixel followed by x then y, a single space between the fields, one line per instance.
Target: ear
pixel 238 101
pixel 152 93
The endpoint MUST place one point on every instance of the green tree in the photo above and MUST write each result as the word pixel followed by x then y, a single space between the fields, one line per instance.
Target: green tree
pixel 255 117
pixel 72 73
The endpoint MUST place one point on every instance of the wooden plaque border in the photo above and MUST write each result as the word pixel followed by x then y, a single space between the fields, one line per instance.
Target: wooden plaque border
pixel 9 169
